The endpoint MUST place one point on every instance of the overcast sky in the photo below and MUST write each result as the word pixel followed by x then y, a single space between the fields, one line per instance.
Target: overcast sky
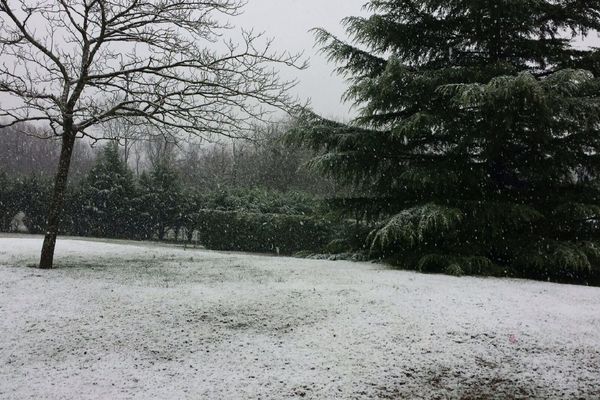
pixel 288 22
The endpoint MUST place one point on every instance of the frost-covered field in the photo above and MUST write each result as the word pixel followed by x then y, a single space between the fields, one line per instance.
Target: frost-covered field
pixel 121 321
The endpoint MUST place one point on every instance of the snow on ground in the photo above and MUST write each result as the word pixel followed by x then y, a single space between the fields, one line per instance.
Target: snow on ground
pixel 141 321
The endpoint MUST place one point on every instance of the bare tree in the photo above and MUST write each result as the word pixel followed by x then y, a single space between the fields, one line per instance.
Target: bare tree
pixel 25 150
pixel 160 150
pixel 77 64
pixel 125 135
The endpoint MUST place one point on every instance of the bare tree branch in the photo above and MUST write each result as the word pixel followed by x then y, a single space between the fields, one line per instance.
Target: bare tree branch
pixel 160 61
pixel 158 65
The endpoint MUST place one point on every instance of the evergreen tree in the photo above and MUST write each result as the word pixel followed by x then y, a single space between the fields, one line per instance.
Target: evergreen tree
pixel 191 203
pixel 31 193
pixel 161 199
pixel 477 143
pixel 75 220
pixel 6 197
pixel 109 190
pixel 23 194
pixel 144 210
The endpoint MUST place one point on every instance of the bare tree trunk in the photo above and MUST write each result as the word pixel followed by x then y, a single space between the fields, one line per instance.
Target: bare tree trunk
pixel 58 197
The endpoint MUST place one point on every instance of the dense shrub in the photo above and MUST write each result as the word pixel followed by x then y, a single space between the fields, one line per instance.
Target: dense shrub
pixel 349 237
pixel 238 231
pixel 110 203
pixel 261 201
pixel 159 203
pixel 5 197
pixel 23 194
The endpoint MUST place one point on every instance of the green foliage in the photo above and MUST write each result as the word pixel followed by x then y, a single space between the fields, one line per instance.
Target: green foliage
pixel 23 194
pixel 455 269
pixel 160 204
pixel 260 201
pixel 456 265
pixel 109 202
pixel 562 261
pixel 478 137
pixel 108 193
pixel 268 233
pixel 34 193
pixel 350 236
pixel 5 191
pixel 416 225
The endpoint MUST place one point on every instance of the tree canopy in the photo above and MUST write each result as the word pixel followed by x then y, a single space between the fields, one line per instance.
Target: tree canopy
pixel 477 142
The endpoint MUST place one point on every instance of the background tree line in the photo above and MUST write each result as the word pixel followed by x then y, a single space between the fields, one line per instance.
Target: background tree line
pixel 262 160
pixel 157 190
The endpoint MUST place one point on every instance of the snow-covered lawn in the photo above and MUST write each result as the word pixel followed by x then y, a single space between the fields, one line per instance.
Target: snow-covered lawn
pixel 141 321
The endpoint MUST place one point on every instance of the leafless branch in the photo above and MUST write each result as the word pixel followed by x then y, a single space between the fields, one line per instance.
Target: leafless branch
pixel 160 63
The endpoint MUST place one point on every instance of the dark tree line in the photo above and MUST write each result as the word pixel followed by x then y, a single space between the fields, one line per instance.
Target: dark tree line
pixel 111 201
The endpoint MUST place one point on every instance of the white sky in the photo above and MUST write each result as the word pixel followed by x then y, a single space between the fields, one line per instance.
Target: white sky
pixel 288 22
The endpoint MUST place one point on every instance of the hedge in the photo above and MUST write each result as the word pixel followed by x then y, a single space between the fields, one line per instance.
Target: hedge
pixel 263 233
